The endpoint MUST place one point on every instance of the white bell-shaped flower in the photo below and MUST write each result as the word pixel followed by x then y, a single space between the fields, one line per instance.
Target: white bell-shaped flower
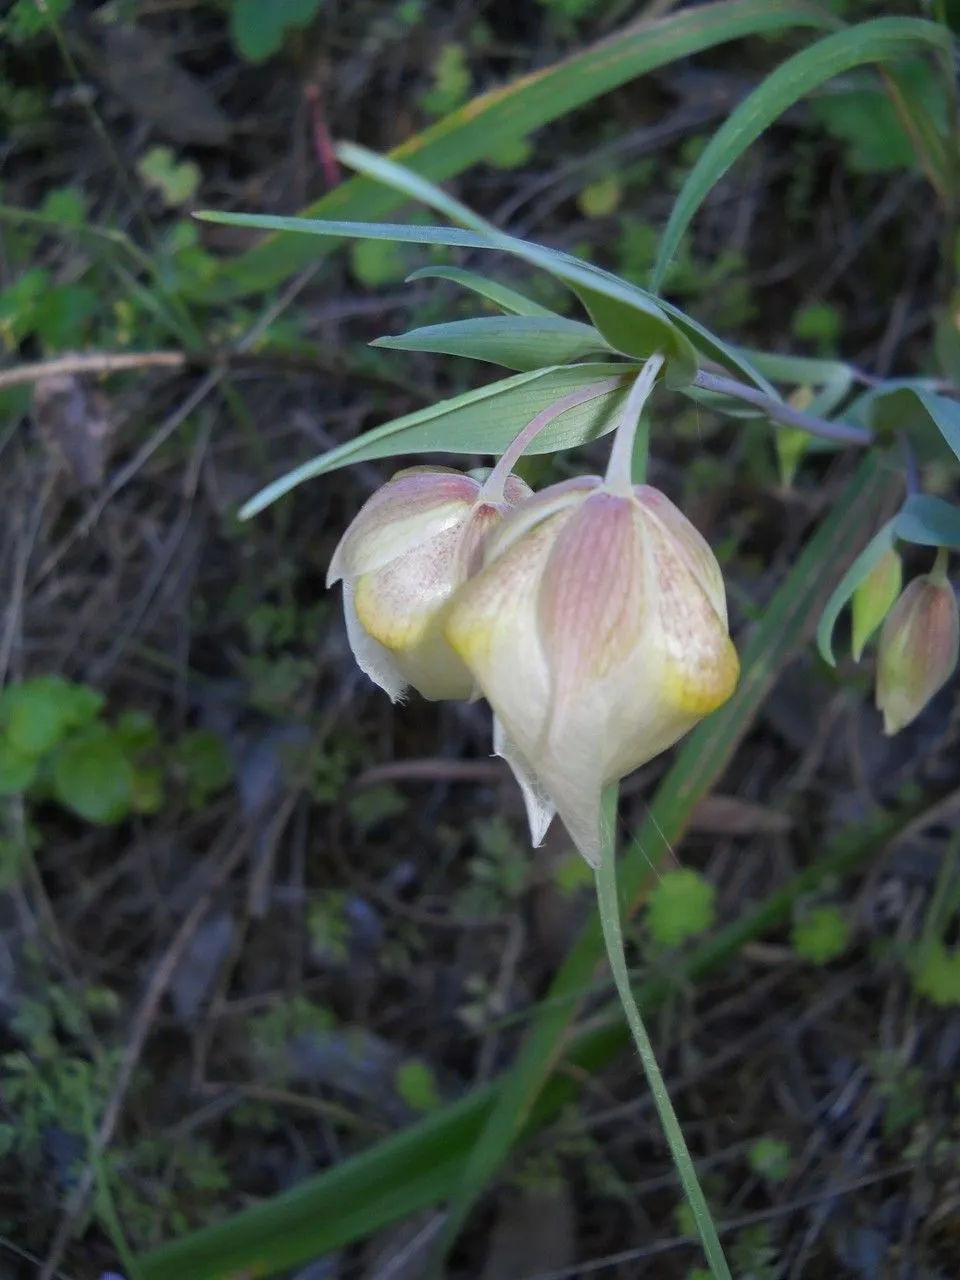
pixel 408 550
pixel 597 630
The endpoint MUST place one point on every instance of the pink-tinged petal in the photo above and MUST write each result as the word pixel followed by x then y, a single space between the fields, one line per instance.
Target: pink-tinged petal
pixel 591 600
pixel 371 657
pixel 396 603
pixel 918 650
pixel 477 530
pixel 540 808
pixel 407 511
pixel 516 490
pixel 491 625
pixel 701 667
pixel 534 511
pixel 686 542
pixel 570 774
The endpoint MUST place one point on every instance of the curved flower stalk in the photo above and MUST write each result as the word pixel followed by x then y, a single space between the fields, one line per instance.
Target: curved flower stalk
pixel 919 647
pixel 597 630
pixel 409 549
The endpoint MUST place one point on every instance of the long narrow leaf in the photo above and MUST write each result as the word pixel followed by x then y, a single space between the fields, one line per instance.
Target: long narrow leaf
pixel 481 421
pixel 879 40
pixel 482 126
pixel 415 1169
pixel 628 317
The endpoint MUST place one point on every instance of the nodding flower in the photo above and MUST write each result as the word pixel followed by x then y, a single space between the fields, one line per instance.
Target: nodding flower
pixel 597 630
pixel 919 646
pixel 409 549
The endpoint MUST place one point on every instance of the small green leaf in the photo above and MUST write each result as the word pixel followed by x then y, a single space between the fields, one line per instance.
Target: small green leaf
pixel 16 771
pixel 601 198
pixel 518 342
pixel 862 116
pixel 258 26
pixel 202 760
pixel 821 935
pixel 451 82
pixel 175 181
pixel 32 717
pixel 769 1158
pixel 681 905
pixel 819 322
pixel 61 315
pixel 137 733
pixel 93 777
pixel 868 559
pixel 417 1086
pixel 27 18
pixel 937 976
pixel 66 206
pixel 376 263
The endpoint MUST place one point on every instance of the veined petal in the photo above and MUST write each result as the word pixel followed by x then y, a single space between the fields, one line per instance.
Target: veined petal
pixel 396 603
pixel 591 598
pixel 701 666
pixel 540 808
pixel 535 510
pixel 491 625
pixel 372 658
pixel 687 542
pixel 408 510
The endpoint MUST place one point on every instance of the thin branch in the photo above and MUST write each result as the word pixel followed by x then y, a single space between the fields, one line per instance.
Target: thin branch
pixel 781 413
pixel 90 363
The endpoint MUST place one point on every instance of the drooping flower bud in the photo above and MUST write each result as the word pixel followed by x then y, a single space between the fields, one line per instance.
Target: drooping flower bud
pixel 919 647
pixel 597 630
pixel 411 545
pixel 874 598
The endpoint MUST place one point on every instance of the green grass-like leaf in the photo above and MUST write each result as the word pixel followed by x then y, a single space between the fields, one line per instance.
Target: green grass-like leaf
pixel 484 125
pixel 880 40
pixel 482 421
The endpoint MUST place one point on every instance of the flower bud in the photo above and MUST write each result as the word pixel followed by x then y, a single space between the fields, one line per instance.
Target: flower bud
pixel 597 630
pixel 919 647
pixel 411 545
pixel 873 599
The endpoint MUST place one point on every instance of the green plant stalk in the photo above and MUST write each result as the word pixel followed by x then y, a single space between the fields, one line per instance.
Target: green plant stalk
pixel 609 907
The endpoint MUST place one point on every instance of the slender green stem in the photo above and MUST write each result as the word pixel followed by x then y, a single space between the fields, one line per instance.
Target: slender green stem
pixel 618 478
pixel 613 937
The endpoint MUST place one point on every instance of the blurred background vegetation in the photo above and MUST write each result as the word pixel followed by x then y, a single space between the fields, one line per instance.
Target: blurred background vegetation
pixel 255 920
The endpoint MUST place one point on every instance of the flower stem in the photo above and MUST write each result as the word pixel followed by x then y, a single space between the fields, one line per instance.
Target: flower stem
pixel 607 902
pixel 938 574
pixel 493 487
pixel 619 477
